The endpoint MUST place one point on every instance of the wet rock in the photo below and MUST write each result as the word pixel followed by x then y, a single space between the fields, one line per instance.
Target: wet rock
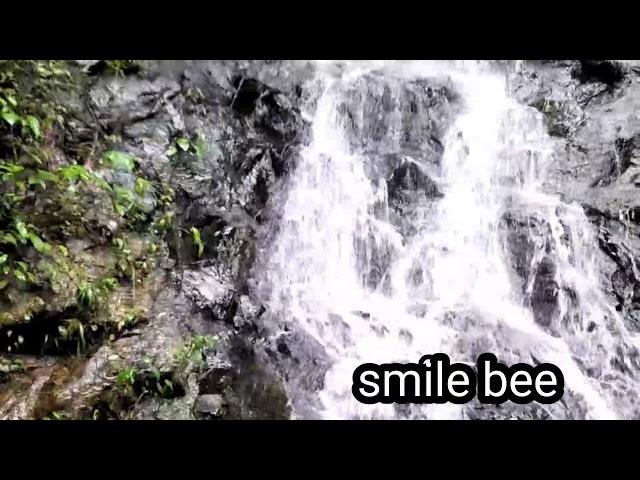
pixel 561 118
pixel 374 258
pixel 525 235
pixel 409 176
pixel 544 295
pixel 528 87
pixel 120 101
pixel 247 314
pixel 248 91
pixel 255 390
pixel 383 114
pixel 212 289
pixel 209 405
pixel 608 72
pixel 589 106
pixel 251 132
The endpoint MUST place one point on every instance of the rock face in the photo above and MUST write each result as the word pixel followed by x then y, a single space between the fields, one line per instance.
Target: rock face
pixel 222 135
pixel 591 108
pixel 225 136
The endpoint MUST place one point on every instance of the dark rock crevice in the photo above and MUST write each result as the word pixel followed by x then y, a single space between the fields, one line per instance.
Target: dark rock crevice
pixel 607 72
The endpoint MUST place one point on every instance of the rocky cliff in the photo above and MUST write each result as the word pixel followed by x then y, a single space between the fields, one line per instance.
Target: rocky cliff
pixel 155 316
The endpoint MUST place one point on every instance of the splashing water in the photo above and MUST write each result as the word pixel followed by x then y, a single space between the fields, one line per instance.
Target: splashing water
pixel 445 279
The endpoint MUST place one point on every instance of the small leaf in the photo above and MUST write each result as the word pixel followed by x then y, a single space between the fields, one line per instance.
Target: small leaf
pixel 63 250
pixel 48 176
pixel 43 71
pixel 197 239
pixel 20 275
pixel 12 100
pixel 10 117
pixel 38 244
pixel 142 186
pixel 120 160
pixel 9 238
pixel 3 258
pixel 11 168
pixel 73 172
pixel 3 284
pixel 172 150
pixel 22 230
pixel 120 210
pixel 183 143
pixel 34 125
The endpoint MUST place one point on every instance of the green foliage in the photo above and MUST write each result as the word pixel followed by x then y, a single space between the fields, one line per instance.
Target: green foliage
pixel 197 240
pixel 72 329
pixel 57 415
pixel 128 204
pixel 73 173
pixel 129 319
pixel 34 124
pixel 24 112
pixel 193 350
pixel 165 222
pixel 195 145
pixel 26 118
pixel 49 176
pixel 9 366
pixel 120 161
pixel 126 379
pixel 183 143
pixel 87 295
pixel 171 151
pixel 120 67
pixel 165 387
pixel 125 259
pixel 142 186
pixel 90 295
pixel 123 200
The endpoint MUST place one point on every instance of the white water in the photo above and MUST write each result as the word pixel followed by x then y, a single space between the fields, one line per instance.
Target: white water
pixel 450 287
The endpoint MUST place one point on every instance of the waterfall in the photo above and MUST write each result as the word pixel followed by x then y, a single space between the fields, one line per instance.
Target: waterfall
pixel 475 256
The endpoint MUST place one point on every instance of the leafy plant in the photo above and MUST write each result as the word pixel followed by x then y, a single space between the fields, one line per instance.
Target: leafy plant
pixel 142 186
pixel 8 107
pixel 120 160
pixel 57 415
pixel 129 319
pixel 196 145
pixel 9 366
pixel 90 295
pixel 163 224
pixel 125 259
pixel 87 295
pixel 193 350
pixel 197 240
pixel 126 380
pixel 73 329
pixel 120 67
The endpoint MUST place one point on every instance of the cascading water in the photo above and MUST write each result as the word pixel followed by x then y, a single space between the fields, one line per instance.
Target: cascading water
pixel 375 280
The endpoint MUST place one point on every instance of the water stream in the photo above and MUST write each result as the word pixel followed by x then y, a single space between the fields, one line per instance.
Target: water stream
pixel 380 273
